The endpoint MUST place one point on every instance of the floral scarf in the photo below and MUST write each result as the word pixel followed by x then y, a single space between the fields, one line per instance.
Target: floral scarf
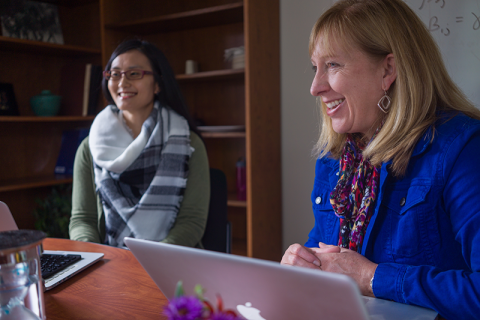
pixel 354 195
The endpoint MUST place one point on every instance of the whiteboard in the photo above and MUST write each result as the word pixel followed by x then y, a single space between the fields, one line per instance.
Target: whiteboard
pixel 455 26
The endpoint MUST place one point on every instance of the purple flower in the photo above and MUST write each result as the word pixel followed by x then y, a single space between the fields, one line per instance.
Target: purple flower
pixel 184 308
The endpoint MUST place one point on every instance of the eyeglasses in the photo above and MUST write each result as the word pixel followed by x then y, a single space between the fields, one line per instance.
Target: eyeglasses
pixel 116 75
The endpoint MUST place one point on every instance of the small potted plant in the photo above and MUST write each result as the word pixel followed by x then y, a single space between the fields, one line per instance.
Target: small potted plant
pixel 53 212
pixel 196 307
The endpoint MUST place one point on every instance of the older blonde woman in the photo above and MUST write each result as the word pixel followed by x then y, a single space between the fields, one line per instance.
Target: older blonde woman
pixel 396 185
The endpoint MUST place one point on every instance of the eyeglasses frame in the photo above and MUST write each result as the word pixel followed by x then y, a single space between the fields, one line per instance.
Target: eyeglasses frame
pixel 144 72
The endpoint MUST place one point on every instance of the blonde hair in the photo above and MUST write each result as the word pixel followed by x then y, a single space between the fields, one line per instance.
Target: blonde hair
pixel 422 86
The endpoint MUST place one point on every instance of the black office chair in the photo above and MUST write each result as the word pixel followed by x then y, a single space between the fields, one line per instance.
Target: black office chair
pixel 217 236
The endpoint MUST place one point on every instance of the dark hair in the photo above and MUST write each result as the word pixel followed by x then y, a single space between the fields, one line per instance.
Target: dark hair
pixel 170 94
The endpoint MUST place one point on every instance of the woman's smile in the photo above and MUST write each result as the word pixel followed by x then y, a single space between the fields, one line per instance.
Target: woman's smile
pixel 333 104
pixel 126 95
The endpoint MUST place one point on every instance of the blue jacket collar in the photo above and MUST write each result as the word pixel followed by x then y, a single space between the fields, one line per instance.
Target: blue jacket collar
pixel 420 147
pixel 423 142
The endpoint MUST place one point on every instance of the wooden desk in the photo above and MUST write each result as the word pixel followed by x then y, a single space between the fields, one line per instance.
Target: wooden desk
pixel 116 287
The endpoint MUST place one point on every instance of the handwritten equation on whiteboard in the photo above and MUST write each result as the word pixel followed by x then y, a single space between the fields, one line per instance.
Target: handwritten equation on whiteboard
pixel 441 21
pixel 455 26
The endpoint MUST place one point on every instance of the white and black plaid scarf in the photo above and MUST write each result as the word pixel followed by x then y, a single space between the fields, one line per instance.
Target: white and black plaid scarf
pixel 141 181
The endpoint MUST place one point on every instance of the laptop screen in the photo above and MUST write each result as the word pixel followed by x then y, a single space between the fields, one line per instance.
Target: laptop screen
pixel 264 290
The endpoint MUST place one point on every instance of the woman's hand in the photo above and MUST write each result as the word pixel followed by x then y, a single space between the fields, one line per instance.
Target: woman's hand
pixel 347 262
pixel 300 256
pixel 333 259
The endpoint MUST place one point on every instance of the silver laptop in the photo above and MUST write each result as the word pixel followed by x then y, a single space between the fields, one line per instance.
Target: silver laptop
pixel 7 223
pixel 264 290
pixel 88 258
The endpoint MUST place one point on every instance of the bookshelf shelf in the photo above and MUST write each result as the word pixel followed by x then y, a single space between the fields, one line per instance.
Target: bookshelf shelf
pixel 212 75
pixel 37 182
pixel 46 119
pixel 223 134
pixel 200 18
pixel 71 3
pixel 39 47
pixel 233 202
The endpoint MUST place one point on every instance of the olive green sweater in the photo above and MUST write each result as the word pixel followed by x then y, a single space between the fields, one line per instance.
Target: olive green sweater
pixel 88 221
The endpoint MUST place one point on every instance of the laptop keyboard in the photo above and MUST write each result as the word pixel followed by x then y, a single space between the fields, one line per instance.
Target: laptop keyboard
pixel 52 263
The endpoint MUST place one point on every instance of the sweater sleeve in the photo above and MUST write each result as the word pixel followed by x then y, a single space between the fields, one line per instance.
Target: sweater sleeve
pixel 454 294
pixel 84 219
pixel 191 220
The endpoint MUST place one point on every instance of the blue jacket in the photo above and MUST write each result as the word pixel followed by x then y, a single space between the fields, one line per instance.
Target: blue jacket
pixel 425 230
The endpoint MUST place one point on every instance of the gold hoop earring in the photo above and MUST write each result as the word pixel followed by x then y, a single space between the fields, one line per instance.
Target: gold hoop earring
pixel 384 102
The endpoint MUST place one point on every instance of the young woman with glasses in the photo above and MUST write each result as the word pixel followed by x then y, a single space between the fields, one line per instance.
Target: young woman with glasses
pixel 143 171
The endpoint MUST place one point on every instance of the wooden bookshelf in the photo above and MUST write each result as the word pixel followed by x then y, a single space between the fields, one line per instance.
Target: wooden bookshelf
pixel 218 95
pixel 221 96
pixel 239 247
pixel 30 144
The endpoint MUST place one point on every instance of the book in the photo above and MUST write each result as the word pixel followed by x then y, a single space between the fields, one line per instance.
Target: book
pixel 71 139
pixel 8 103
pixel 75 89
pixel 86 88
pixel 95 89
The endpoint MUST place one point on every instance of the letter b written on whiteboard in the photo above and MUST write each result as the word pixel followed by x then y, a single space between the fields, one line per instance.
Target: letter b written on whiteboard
pixel 455 26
